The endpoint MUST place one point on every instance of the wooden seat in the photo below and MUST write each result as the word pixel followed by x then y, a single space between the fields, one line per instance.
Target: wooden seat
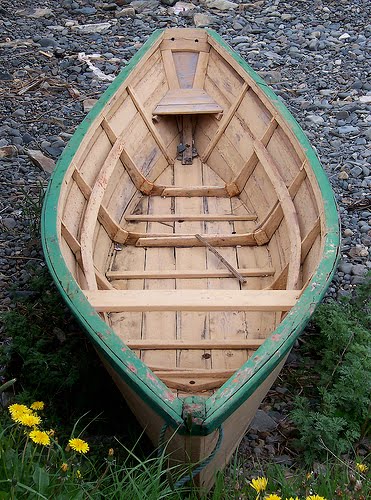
pixel 186 102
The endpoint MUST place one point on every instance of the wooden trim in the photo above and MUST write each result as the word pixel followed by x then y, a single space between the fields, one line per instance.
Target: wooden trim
pixel 81 183
pixel 288 209
pixel 193 191
pixel 186 274
pixel 75 247
pixel 92 211
pixel 195 344
pixel 191 300
pixel 170 71
pixel 224 123
pixel 269 132
pixel 150 125
pixel 176 240
pixel 246 171
pixel 310 238
pixel 184 217
pixel 184 46
pixel 139 180
pixel 200 73
pixel 192 374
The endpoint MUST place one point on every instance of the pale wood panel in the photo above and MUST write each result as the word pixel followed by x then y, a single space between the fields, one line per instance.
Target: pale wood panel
pixel 190 326
pixel 213 90
pixel 119 192
pixel 95 158
pixel 306 208
pixel 153 79
pixel 311 262
pixel 187 101
pixel 101 249
pixel 69 258
pixel 251 343
pixel 224 76
pixel 239 137
pixel 254 113
pixel 185 65
pixel 213 299
pixel 123 116
pixel 224 325
pixel 142 70
pixel 215 159
pixel 74 210
pixel 260 191
pixel 159 323
pixel 288 162
pixel 190 274
pixel 199 79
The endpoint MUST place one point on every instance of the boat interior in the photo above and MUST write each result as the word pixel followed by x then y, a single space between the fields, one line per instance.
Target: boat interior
pixel 189 215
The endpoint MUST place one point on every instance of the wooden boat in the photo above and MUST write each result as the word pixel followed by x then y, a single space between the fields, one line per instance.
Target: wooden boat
pixel 192 231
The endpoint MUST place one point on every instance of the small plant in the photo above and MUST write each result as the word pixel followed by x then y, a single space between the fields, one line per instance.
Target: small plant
pixel 31 208
pixel 333 415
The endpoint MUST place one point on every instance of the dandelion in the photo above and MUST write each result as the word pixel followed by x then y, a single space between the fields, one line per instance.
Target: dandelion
pixel 38 405
pixel 272 496
pixel 27 419
pixel 111 452
pixel 40 437
pixel 78 474
pixel 315 497
pixel 361 467
pixel 259 484
pixel 79 445
pixel 64 467
pixel 16 408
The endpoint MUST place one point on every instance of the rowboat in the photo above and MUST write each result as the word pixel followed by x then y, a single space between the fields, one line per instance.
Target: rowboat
pixel 192 231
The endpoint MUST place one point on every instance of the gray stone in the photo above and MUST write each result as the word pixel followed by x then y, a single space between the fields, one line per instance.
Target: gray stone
pixel 359 269
pixel 9 222
pixel 356 171
pixel 47 42
pixel 262 422
pixel 126 12
pixel 220 4
pixel 345 267
pixel 203 20
pixel 316 119
pixel 348 232
pixel 348 129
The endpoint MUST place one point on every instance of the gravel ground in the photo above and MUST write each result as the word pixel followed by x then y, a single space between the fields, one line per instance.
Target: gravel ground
pixel 315 54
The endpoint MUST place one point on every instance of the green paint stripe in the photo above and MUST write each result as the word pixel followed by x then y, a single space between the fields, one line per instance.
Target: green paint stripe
pixel 248 378
pixel 131 369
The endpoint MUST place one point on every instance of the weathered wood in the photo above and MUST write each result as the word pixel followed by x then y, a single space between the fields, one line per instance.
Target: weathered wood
pixel 220 240
pixel 186 217
pixel 191 300
pixel 170 71
pixel 187 140
pixel 186 102
pixel 187 274
pixel 249 343
pixel 234 271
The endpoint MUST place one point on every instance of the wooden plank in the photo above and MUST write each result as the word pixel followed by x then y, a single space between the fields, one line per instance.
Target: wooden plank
pixel 289 211
pixel 310 238
pixel 185 217
pixel 224 123
pixel 218 240
pixel 185 66
pixel 191 300
pixel 150 125
pixel 185 34
pixel 199 79
pixel 187 274
pixel 170 71
pixel 185 46
pixel 194 191
pixel 190 374
pixel 249 343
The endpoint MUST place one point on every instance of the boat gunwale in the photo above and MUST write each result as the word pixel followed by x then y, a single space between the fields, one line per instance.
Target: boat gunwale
pixel 246 379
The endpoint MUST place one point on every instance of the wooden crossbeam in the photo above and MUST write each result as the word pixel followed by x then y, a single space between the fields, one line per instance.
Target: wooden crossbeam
pixel 195 344
pixel 176 240
pixel 170 71
pixel 185 217
pixel 191 300
pixel 187 274
pixel 224 123
pixel 193 191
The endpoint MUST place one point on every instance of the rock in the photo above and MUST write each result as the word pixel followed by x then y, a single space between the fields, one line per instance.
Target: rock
pixel 35 12
pixel 356 171
pixel 344 36
pixel 182 7
pixel 343 176
pixel 270 77
pixel 365 98
pixel 47 42
pixel 8 151
pixel 203 20
pixel 359 270
pixel 169 2
pixel 348 129
pixel 220 4
pixel 345 267
pixel 262 422
pixel 9 222
pixel 39 159
pixel 348 232
pixel 92 28
pixel 145 6
pixel 126 12
pixel 316 119
pixel 358 251
pixel 88 104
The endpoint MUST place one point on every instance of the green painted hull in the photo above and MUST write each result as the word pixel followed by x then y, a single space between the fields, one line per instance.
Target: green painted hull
pixel 226 400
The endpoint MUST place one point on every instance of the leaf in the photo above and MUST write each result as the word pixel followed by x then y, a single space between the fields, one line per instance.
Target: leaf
pixel 41 479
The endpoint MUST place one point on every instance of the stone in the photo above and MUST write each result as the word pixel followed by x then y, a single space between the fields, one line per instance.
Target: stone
pixel 169 2
pixel 47 42
pixel 203 20
pixel 365 98
pixel 36 12
pixel 348 129
pixel 126 12
pixel 88 104
pixel 356 171
pixel 344 36
pixel 9 222
pixel 8 151
pixel 182 7
pixel 343 176
pixel 220 4
pixel 92 28
pixel 316 119
pixel 42 161
pixel 348 232
pixel 262 422
pixel 345 267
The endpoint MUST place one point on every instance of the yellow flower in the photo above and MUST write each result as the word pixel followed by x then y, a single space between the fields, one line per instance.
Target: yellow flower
pixel 38 405
pixel 16 408
pixel 50 432
pixel 79 445
pixel 315 497
pixel 272 496
pixel 64 467
pixel 361 467
pixel 259 484
pixel 78 474
pixel 28 419
pixel 111 452
pixel 40 437
pixel 309 475
pixel 292 498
